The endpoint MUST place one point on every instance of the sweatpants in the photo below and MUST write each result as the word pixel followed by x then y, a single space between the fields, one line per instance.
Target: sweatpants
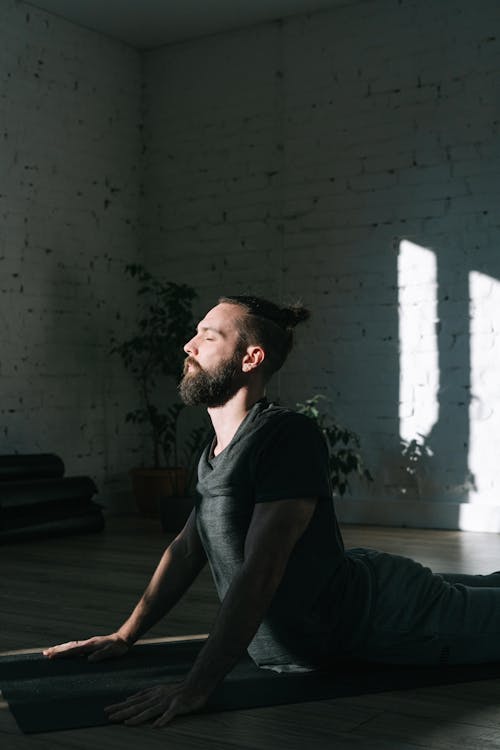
pixel 419 617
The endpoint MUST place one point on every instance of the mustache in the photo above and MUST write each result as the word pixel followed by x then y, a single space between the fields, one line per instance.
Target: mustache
pixel 190 361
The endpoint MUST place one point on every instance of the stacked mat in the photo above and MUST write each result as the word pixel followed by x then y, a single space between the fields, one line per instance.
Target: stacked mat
pixel 37 500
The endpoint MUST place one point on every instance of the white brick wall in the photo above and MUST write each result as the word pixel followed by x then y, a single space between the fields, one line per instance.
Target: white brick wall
pixel 289 159
pixel 213 201
pixel 69 186
pixel 292 159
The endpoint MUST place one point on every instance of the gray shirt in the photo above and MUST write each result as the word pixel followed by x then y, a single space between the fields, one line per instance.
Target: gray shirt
pixel 322 600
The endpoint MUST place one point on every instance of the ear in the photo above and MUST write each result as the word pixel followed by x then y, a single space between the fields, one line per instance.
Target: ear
pixel 254 356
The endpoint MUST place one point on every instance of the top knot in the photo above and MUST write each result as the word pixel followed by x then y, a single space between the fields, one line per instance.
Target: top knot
pixel 293 315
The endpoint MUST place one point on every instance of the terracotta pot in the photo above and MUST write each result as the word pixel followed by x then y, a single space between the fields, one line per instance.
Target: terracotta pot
pixel 160 493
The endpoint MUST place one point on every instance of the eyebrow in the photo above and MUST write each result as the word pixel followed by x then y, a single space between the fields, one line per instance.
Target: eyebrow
pixel 210 328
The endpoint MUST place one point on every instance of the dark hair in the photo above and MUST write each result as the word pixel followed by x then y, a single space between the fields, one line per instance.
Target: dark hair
pixel 268 325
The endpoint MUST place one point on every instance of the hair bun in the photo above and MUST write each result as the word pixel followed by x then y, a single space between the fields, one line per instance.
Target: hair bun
pixel 294 314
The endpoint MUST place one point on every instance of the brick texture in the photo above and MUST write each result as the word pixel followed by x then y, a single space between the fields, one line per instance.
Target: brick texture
pixel 70 151
pixel 292 159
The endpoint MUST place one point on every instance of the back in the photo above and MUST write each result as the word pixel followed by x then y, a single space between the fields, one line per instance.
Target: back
pixel 277 454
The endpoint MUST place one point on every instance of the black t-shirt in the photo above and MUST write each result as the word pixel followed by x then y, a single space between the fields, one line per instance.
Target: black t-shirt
pixel 322 600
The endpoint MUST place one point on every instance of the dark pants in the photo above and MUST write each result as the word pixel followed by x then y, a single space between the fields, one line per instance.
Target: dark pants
pixel 419 617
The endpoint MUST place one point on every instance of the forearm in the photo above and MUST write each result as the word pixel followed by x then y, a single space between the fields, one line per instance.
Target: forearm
pixel 242 611
pixel 175 572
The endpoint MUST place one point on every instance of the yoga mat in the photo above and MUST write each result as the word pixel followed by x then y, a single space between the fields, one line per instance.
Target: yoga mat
pixel 32 515
pixel 49 695
pixel 30 466
pixel 53 522
pixel 29 492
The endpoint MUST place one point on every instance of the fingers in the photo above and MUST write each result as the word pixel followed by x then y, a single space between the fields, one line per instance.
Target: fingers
pixel 148 694
pixel 135 711
pixel 167 717
pixel 98 647
pixel 145 715
pixel 176 708
pixel 71 648
pixel 161 702
pixel 132 700
pixel 144 706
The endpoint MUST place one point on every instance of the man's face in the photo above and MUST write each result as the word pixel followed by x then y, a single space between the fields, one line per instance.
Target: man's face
pixel 212 369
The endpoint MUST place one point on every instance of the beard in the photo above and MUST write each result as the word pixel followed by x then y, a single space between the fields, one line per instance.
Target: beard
pixel 211 388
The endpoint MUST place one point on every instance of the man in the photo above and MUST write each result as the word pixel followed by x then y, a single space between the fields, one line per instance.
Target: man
pixel 264 519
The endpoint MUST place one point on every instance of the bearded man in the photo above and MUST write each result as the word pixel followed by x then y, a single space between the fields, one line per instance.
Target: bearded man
pixel 264 519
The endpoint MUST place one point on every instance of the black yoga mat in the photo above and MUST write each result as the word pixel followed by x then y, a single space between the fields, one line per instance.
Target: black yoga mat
pixel 30 466
pixel 39 491
pixel 47 695
pixel 52 521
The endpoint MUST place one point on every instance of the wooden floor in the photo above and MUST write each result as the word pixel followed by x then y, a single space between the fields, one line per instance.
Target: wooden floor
pixel 60 589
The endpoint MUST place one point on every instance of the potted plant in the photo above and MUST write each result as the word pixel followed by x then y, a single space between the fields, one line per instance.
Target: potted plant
pixel 343 446
pixel 154 355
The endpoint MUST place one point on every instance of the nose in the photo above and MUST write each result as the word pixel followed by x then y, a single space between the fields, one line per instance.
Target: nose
pixel 190 347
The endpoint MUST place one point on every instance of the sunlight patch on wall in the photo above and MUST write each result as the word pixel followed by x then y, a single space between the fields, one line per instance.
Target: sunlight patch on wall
pixel 484 411
pixel 418 344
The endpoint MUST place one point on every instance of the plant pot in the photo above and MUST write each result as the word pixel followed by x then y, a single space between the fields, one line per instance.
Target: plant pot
pixel 161 493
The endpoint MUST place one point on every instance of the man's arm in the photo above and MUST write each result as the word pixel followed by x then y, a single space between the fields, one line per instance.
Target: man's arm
pixel 178 567
pixel 274 530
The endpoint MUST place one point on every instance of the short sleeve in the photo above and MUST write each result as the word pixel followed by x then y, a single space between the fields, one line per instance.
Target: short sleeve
pixel 292 462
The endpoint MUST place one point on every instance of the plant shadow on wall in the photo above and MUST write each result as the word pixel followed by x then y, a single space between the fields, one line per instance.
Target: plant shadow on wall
pixel 449 360
pixel 154 356
pixel 344 446
pixel 417 466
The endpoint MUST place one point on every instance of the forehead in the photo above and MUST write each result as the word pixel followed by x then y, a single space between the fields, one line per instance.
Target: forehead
pixel 223 316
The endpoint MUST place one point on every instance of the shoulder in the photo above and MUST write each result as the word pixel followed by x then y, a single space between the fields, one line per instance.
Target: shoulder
pixel 276 422
pixel 291 457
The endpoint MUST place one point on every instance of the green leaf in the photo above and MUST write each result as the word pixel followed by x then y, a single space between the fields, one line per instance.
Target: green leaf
pixel 154 354
pixel 342 461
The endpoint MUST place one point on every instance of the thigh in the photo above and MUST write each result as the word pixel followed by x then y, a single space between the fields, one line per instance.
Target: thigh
pixel 422 617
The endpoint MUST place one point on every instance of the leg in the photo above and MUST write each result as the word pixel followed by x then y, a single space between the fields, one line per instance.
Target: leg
pixel 474 581
pixel 422 618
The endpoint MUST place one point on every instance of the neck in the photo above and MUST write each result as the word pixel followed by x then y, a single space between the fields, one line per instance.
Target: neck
pixel 227 418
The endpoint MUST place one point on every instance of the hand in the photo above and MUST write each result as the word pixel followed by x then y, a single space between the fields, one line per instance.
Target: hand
pixel 162 701
pixel 98 648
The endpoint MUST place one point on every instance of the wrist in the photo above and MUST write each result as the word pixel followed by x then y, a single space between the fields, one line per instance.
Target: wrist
pixel 200 683
pixel 125 636
pixel 197 690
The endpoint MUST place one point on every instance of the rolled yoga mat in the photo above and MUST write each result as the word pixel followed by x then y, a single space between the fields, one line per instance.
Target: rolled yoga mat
pixel 49 695
pixel 51 520
pixel 33 508
pixel 30 466
pixel 28 492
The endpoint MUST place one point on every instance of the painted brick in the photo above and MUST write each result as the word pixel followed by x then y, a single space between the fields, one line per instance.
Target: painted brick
pixel 70 154
pixel 295 176
pixel 382 125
